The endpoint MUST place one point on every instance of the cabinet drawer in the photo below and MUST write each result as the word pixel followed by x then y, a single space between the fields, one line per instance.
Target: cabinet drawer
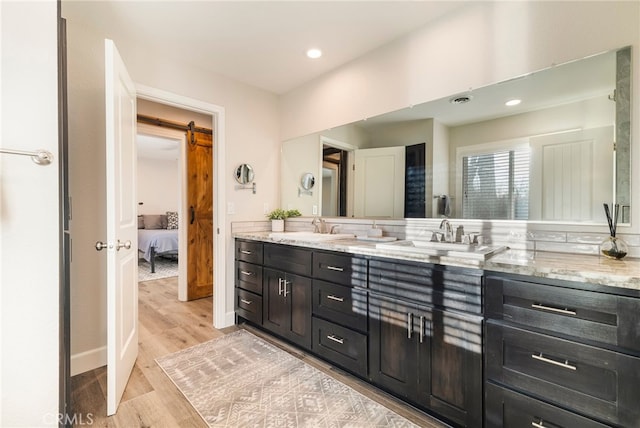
pixel 593 381
pixel 444 286
pixel 342 346
pixel 249 306
pixel 589 315
pixel 288 258
pixel 342 305
pixel 249 277
pixel 249 251
pixel 506 408
pixel 340 268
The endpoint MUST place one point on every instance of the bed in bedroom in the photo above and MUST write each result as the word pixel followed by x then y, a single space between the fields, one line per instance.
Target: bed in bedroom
pixel 157 236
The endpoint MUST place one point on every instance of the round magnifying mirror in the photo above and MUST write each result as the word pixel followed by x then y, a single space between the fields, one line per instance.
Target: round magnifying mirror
pixel 307 181
pixel 244 173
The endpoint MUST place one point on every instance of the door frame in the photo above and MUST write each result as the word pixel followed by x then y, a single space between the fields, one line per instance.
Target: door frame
pixel 349 148
pixel 220 318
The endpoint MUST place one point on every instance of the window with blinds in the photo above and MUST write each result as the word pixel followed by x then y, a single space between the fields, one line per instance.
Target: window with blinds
pixel 496 185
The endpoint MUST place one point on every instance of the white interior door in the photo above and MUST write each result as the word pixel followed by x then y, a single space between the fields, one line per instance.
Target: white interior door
pixel 379 182
pixel 122 223
pixel 572 174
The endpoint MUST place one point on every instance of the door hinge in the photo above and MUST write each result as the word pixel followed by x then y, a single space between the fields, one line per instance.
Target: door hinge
pixel 353 167
pixel 218 231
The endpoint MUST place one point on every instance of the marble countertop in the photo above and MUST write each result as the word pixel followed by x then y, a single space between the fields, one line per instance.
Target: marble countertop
pixel 561 266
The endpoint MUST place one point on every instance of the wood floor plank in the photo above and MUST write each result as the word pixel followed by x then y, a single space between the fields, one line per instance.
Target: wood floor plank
pixel 167 325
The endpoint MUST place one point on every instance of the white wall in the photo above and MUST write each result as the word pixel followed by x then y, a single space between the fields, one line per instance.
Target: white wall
pixel 29 219
pixel 158 186
pixel 252 136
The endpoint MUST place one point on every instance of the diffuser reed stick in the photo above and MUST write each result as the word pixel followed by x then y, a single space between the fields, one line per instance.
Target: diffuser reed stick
pixel 613 247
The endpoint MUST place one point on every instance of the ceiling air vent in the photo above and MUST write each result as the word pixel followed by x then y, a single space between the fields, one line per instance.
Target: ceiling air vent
pixel 461 99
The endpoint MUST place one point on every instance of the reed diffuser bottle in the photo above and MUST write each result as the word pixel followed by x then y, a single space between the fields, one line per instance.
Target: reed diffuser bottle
pixel 613 247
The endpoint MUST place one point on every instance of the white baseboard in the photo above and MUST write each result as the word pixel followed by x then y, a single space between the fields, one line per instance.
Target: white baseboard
pixel 88 360
pixel 229 320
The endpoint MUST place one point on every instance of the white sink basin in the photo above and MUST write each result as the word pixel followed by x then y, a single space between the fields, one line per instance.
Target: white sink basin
pixel 464 251
pixel 310 236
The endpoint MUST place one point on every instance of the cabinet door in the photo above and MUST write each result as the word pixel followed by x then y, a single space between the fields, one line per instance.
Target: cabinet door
pixel 297 297
pixel 393 346
pixel 275 311
pixel 455 388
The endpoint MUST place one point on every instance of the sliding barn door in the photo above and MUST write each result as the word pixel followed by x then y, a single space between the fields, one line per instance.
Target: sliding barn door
pixel 200 215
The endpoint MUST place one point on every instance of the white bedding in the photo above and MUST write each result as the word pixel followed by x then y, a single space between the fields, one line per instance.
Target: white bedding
pixel 163 240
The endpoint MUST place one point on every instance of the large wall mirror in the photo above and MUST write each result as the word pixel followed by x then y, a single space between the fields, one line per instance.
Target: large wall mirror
pixel 549 146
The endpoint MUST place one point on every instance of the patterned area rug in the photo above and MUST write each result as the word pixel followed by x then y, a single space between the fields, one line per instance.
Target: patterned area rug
pixel 164 269
pixel 239 380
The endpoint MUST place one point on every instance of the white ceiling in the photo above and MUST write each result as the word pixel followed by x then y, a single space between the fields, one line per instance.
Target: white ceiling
pixel 261 43
pixel 574 81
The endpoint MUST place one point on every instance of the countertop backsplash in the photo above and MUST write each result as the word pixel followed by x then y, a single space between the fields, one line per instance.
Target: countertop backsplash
pixel 515 235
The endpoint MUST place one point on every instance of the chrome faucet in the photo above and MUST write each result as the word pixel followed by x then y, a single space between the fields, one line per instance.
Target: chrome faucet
pixel 448 231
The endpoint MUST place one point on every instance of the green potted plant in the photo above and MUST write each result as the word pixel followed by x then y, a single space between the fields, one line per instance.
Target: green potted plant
pixel 278 216
pixel 293 213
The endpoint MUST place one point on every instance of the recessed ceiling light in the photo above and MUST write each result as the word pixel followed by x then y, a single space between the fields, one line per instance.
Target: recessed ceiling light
pixel 512 103
pixel 314 53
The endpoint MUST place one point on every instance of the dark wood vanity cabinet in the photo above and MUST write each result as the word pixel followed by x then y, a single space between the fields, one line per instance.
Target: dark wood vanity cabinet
pixel 248 280
pixel 287 293
pixel 560 355
pixel 340 328
pixel 426 337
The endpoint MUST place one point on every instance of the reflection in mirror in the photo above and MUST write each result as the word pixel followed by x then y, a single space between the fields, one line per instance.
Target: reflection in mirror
pixel 244 173
pixel 549 157
pixel 334 181
pixel 307 181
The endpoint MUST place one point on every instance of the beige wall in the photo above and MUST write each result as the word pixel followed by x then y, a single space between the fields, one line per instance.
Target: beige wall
pixel 163 111
pixel 251 136
pixel 471 47
pixel 29 217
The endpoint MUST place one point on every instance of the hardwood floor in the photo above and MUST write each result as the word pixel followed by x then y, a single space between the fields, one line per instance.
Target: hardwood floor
pixel 166 326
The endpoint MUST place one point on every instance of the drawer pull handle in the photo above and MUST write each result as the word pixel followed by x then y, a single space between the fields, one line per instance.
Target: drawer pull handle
pixel 336 339
pixel 280 281
pixel 336 268
pixel 409 324
pixel 564 365
pixel 245 252
pixel 246 302
pixel 244 272
pixel 336 298
pixel 552 309
pixel 543 424
pixel 421 328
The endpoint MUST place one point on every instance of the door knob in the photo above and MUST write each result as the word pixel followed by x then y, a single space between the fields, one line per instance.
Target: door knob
pixel 101 245
pixel 126 245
